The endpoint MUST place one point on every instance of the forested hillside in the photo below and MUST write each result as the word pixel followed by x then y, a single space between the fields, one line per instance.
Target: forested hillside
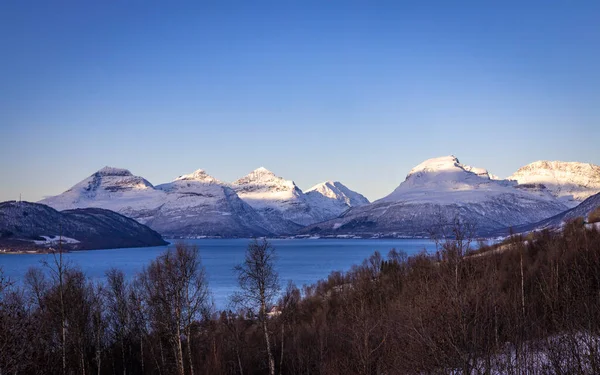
pixel 525 307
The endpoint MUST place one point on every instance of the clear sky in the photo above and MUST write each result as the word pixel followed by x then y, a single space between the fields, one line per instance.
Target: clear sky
pixel 358 92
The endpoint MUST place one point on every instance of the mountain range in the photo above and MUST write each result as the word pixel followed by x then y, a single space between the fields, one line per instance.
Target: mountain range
pixel 198 204
pixel 439 190
pixel 264 204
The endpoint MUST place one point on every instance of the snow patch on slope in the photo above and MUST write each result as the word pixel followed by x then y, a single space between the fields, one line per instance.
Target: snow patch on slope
pixel 55 240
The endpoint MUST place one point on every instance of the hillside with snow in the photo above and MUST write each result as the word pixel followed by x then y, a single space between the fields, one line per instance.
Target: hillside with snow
pixel 25 225
pixel 279 201
pixel 198 204
pixel 332 198
pixel 582 210
pixel 191 205
pixel 572 182
pixel 438 190
pixel 114 189
pixel 262 203
pixel 286 208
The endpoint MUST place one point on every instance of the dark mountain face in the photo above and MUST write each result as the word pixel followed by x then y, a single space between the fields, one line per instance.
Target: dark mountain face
pixel 582 210
pixel 32 225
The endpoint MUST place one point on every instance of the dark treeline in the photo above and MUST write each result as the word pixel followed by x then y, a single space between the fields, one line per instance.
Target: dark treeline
pixel 529 306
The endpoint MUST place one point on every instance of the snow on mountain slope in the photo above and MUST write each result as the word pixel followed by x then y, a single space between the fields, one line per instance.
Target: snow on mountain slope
pixel 192 205
pixel 113 189
pixel 199 175
pixel 337 191
pixel 572 182
pixel 280 202
pixel 445 180
pixel 330 199
pixel 441 189
pixel 198 204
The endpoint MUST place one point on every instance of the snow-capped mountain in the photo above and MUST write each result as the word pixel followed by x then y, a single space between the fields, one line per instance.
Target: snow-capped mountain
pixel 445 180
pixel 572 182
pixel 199 175
pixel 440 189
pixel 198 204
pixel 280 202
pixel 332 198
pixel 192 205
pixel 287 208
pixel 114 189
pixel 263 203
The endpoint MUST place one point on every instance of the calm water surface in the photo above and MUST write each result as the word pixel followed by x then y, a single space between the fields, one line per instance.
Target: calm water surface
pixel 303 261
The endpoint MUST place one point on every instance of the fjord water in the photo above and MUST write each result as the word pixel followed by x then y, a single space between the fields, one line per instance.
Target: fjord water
pixel 304 261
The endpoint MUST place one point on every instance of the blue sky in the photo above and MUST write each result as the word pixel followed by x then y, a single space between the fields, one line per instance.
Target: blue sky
pixel 358 92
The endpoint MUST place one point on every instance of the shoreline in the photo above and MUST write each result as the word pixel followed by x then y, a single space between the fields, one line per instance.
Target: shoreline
pixel 34 252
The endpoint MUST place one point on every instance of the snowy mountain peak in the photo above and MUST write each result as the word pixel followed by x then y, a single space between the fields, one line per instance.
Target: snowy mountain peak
pixel 445 164
pixel 279 201
pixel 446 180
pixel 335 190
pixel 444 173
pixel 441 163
pixel 571 182
pixel 561 165
pixel 262 170
pixel 327 188
pixel 568 167
pixel 112 171
pixel 106 188
pixel 113 179
pixel 260 174
pixel 198 175
pixel 262 178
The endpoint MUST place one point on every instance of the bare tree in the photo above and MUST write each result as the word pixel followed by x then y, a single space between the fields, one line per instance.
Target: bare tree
pixel 118 311
pixel 58 270
pixel 259 284
pixel 288 304
pixel 177 295
pixel 99 325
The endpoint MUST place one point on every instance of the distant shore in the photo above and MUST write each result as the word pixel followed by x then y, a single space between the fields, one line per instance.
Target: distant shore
pixel 29 251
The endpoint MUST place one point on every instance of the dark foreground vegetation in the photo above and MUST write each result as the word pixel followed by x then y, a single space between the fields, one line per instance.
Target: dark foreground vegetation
pixel 531 307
